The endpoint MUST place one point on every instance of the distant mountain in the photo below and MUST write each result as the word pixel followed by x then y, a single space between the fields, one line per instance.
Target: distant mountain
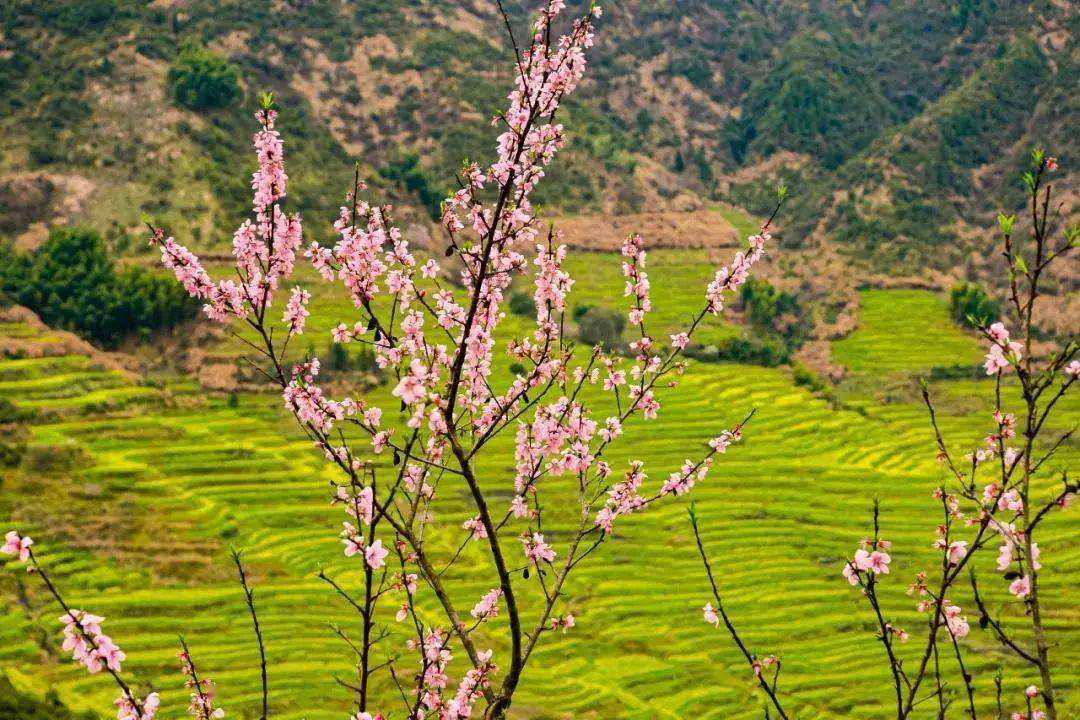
pixel 897 125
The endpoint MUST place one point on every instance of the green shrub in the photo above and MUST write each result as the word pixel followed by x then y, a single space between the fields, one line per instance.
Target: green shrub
pixel 11 413
pixel 71 282
pixel 804 377
pixel 203 80
pixel 819 98
pixel 971 305
pixel 601 326
pixel 55 459
pixel 581 311
pixel 776 311
pixel 753 351
pixel 340 359
pixel 405 169
pixel 522 304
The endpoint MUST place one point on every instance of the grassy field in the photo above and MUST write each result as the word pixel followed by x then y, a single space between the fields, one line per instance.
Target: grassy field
pixel 137 521
pixel 904 330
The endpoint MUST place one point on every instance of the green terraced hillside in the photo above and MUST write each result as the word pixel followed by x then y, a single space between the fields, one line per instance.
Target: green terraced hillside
pixel 137 529
pixel 905 330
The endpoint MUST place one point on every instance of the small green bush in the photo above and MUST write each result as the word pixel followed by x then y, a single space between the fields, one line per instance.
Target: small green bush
pixel 971 305
pixel 338 358
pixel 753 351
pixel 601 326
pixel 804 377
pixel 405 169
pixel 522 304
pixel 203 80
pixel 768 307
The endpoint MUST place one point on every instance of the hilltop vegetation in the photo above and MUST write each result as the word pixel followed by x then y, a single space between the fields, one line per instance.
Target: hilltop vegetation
pixel 72 283
pixel 877 116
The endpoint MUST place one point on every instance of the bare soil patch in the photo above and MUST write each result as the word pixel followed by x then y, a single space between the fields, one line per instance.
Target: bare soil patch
pixel 701 229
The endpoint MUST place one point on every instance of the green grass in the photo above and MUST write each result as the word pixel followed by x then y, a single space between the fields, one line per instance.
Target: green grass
pixel 905 330
pixel 678 279
pixel 139 533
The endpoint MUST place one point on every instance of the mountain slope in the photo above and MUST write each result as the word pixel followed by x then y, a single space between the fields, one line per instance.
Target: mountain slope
pixel 881 116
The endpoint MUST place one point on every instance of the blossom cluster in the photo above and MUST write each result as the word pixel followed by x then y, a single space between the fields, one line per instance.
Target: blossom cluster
pixel 264 249
pixel 870 559
pixel 731 277
pixel 359 504
pixel 87 644
pixel 202 691
pixel 1003 351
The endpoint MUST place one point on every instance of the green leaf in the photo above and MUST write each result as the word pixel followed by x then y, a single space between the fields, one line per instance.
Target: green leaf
pixel 1006 222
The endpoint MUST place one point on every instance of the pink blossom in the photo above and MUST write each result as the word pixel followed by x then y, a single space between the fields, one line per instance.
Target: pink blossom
pixel 488 607
pixel 956 551
pixel 1031 691
pixel 721 442
pixel 202 697
pixel 536 549
pixel 476 526
pixel 107 653
pixel 731 277
pixel 563 623
pixel 87 644
pixel 1020 587
pixel 711 616
pixel 851 573
pixel 955 621
pixel 1002 350
pixel 995 360
pixel 296 311
pixel 876 562
pixel 879 562
pixel 375 555
pixel 1073 369
pixel 998 333
pixel 128 708
pixel 1011 500
pixel 351 539
pixel 1005 556
pixel 410 389
pixel 18 545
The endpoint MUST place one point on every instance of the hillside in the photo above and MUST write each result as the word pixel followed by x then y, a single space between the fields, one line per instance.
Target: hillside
pixel 118 455
pixel 893 123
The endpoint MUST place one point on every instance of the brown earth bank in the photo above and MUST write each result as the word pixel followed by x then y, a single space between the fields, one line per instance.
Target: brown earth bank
pixel 699 229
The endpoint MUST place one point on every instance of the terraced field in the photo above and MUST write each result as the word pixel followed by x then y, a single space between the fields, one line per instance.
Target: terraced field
pixel 904 330
pixel 138 525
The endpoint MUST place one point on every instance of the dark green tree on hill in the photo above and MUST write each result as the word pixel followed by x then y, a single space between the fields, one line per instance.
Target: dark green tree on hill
pixel 72 283
pixel 203 80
